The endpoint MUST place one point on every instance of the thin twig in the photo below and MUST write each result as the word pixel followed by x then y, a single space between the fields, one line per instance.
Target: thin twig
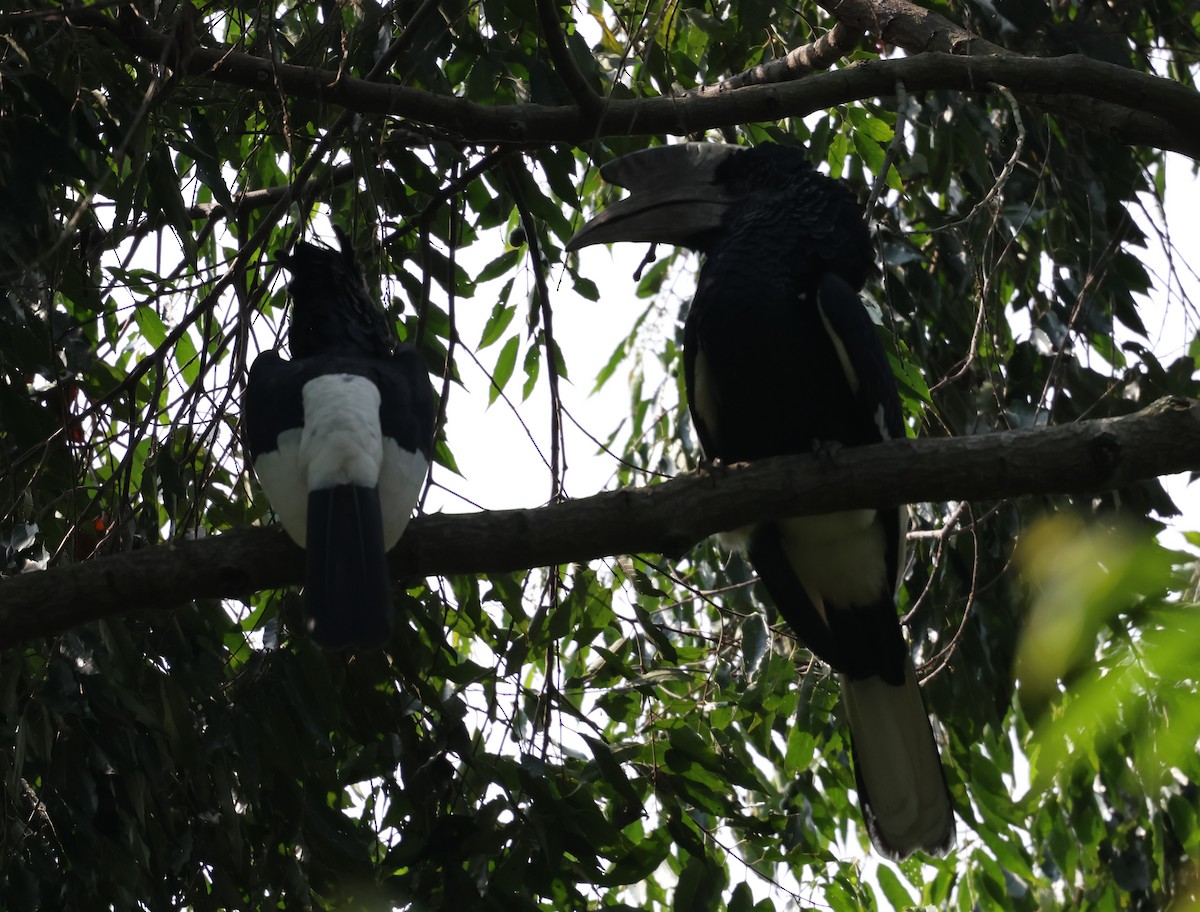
pixel 941 660
pixel 568 70
pixel 547 317
pixel 995 190
pixel 1005 173
pixel 403 40
pixel 893 149
pixel 942 535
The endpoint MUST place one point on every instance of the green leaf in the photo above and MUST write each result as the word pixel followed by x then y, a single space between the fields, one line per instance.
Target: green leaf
pixel 533 360
pixel 502 316
pixel 164 186
pixel 443 457
pixel 153 329
pixel 873 154
pixel 755 637
pixel 642 859
pixel 742 899
pixel 187 358
pixel 613 773
pixel 504 368
pixel 872 127
pixel 892 888
pixel 499 266
pixel 208 160
pixel 838 150
pixel 656 634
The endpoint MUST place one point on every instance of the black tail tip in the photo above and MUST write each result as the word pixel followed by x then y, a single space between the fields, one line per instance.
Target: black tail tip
pixel 353 629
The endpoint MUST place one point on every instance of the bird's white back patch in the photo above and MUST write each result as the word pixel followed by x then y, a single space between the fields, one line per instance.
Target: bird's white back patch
pixel 342 442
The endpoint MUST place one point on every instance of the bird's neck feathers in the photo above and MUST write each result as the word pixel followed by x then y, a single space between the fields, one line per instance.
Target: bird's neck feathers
pixel 792 238
pixel 332 311
pixel 338 330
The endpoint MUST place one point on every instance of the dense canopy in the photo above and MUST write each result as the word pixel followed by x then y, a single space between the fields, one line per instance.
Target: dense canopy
pixel 588 704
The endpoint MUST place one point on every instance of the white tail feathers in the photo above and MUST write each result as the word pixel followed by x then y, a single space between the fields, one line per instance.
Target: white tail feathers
pixel 901 786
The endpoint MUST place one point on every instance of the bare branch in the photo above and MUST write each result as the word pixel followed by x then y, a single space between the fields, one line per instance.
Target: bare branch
pixel 247 202
pixel 666 518
pixel 909 26
pixel 838 42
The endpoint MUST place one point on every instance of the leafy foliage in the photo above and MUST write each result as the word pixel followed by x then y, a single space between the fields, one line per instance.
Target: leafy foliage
pixel 638 733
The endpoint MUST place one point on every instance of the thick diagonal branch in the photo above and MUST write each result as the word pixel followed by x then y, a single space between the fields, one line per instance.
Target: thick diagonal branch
pixel 666 518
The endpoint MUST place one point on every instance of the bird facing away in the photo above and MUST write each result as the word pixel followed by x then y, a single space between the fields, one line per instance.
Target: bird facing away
pixel 340 439
pixel 781 356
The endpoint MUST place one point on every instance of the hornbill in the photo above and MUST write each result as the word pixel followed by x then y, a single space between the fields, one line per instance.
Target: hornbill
pixel 340 439
pixel 781 356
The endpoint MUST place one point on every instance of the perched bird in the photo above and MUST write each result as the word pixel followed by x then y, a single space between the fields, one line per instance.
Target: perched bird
pixel 781 356
pixel 340 439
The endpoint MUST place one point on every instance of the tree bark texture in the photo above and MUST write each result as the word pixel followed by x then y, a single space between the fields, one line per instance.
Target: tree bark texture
pixel 665 518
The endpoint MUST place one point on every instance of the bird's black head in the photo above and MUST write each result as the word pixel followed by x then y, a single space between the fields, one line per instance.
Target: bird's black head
pixel 332 309
pixel 804 214
pixel 712 196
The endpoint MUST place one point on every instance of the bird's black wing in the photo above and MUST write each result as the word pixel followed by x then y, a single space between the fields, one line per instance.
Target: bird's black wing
pixel 272 423
pixel 879 647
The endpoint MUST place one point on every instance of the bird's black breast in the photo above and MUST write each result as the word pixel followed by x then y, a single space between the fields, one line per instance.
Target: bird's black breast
pixel 777 343
pixel 765 375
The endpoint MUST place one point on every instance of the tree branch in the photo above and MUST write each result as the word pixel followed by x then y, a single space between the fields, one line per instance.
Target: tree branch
pixel 909 26
pixel 666 518
pixel 247 202
pixel 918 31
pixel 824 52
pixel 1148 110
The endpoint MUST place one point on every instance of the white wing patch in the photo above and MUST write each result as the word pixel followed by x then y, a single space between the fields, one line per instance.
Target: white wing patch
pixel 839 557
pixel 400 483
pixel 284 482
pixel 881 422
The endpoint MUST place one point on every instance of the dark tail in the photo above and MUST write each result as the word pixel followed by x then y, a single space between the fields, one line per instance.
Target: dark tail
pixel 901 784
pixel 347 591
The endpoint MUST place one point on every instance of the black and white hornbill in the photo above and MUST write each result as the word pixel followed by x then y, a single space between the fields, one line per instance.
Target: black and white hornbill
pixel 340 439
pixel 781 356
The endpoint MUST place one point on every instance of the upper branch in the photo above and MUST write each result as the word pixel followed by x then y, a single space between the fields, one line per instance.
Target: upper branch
pixel 665 518
pixel 1145 110
pixel 918 31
